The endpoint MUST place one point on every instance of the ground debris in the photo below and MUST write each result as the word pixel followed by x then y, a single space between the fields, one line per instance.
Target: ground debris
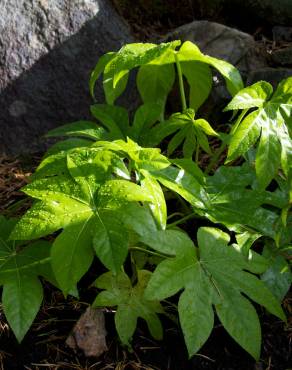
pixel 89 333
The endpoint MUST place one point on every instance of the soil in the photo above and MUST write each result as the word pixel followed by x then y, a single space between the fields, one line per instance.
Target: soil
pixel 44 346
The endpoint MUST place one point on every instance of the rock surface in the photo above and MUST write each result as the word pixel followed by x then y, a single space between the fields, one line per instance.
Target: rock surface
pixel 283 57
pixel 272 75
pixel 47 51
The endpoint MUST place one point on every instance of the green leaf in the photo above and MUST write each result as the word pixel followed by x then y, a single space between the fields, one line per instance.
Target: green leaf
pixel 246 134
pixel 158 204
pixel 110 240
pixel 86 129
pixel 113 92
pixel 67 145
pixel 189 132
pixel 278 276
pixel 251 96
pixel 155 81
pixel 240 319
pixel 130 303
pixel 72 254
pixel 113 118
pixel 135 55
pixel 99 68
pixel 217 278
pixel 190 52
pixel 269 123
pixel 183 183
pixel 21 301
pixel 234 203
pixel 145 117
pixel 84 203
pixel 19 269
pixel 199 78
pixel 268 155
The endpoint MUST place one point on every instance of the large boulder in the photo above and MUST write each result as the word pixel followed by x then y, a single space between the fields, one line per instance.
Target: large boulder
pixel 47 51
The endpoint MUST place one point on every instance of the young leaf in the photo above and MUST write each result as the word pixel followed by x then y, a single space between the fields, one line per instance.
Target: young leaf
pixel 128 57
pixel 251 96
pixel 190 131
pixel 268 123
pixel 99 68
pixel 218 277
pixel 130 302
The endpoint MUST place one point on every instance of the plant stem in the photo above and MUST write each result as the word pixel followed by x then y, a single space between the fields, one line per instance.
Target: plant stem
pixel 181 83
pixel 215 158
pixel 182 220
pixel 238 121
pixel 149 252
pixel 197 153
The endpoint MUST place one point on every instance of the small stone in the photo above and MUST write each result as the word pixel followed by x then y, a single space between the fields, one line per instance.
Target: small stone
pixel 89 333
pixel 17 108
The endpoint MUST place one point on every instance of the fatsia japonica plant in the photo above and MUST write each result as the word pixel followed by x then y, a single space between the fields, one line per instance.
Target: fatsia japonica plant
pixel 133 191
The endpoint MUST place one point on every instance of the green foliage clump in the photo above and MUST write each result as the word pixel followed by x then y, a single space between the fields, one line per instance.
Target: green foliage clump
pixel 108 191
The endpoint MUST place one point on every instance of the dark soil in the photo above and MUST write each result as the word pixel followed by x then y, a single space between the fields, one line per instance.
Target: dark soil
pixel 44 348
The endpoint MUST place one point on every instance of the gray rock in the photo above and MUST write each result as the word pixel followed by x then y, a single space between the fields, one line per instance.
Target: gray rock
pixel 281 34
pixel 47 51
pixel 272 75
pixel 283 57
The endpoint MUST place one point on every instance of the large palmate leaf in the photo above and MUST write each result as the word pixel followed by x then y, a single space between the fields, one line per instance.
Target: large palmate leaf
pixel 268 123
pixel 19 270
pixel 190 133
pixel 83 203
pixel 216 274
pixel 130 302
